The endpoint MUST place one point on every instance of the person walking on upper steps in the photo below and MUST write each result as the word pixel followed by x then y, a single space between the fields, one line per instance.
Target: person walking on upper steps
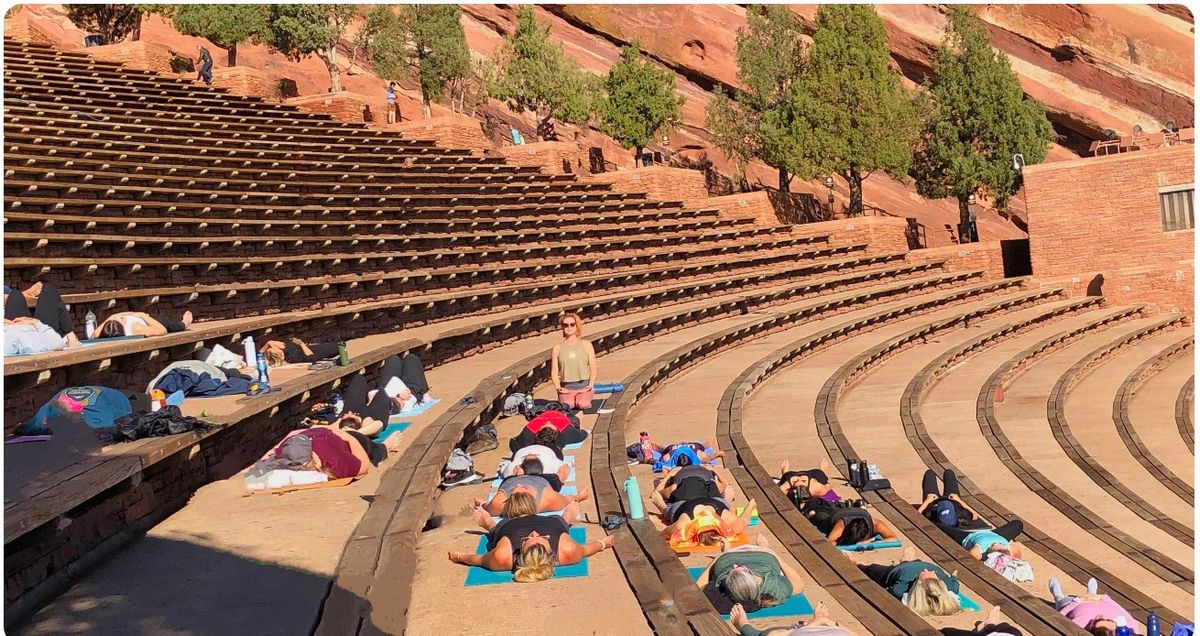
pixel 206 63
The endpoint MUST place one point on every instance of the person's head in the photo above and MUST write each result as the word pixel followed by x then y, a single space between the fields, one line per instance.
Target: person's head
pixel 855 530
pixel 571 325
pixel 742 586
pixel 519 504
pixel 998 547
pixel 392 85
pixel 929 596
pixel 683 460
pixel 112 329
pixel 1102 626
pixel 274 357
pixel 547 436
pixel 705 527
pixel 531 465
pixel 535 563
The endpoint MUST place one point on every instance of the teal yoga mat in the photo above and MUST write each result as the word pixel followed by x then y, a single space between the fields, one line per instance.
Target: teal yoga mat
pixel 480 576
pixel 866 547
pixel 394 427
pixel 567 491
pixel 420 408
pixel 797 605
pixel 968 604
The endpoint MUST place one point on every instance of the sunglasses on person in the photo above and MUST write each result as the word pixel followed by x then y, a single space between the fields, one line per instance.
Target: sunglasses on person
pixel 568 324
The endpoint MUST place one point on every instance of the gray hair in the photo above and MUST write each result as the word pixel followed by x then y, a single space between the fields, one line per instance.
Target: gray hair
pixel 741 586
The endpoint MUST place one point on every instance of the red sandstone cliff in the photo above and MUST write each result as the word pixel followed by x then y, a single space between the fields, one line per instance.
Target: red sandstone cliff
pixel 1093 66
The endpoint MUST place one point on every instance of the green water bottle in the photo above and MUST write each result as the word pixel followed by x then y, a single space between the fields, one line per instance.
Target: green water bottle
pixel 343 354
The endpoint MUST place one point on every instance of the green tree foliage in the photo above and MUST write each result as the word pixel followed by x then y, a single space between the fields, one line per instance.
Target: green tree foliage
pixel 980 119
pixel 427 39
pixel 225 25
pixel 848 114
pixel 770 58
pixel 641 100
pixel 111 21
pixel 300 30
pixel 532 73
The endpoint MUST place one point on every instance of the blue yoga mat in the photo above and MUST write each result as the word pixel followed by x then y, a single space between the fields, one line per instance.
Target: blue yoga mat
pixel 797 605
pixel 575 446
pixel 968 604
pixel 394 427
pixel 419 409
pixel 877 545
pixel 548 513
pixel 480 576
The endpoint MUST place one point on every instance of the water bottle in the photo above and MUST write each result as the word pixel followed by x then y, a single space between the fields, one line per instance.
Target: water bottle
pixel 264 377
pixel 338 404
pixel 529 405
pixel 1153 625
pixel 647 448
pixel 90 321
pixel 864 474
pixel 248 349
pixel 343 354
pixel 1122 628
pixel 852 472
pixel 634 495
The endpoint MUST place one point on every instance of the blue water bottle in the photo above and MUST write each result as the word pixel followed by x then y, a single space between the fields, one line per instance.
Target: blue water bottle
pixel 634 494
pixel 264 377
pixel 1122 628
pixel 1153 625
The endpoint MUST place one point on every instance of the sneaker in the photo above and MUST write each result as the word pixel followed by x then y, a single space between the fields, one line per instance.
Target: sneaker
pixel 460 478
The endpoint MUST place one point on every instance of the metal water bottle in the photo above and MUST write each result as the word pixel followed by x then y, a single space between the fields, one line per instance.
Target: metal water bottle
pixel 264 377
pixel 248 349
pixel 1153 625
pixel 90 321
pixel 634 494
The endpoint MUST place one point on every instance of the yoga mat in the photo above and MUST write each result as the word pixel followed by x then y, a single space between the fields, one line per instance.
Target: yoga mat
pixel 97 341
pixel 480 576
pixel 419 409
pixel 25 439
pixel 575 446
pixel 397 427
pixel 548 513
pixel 967 604
pixel 753 516
pixel 797 605
pixel 570 459
pixel 866 547
pixel 567 491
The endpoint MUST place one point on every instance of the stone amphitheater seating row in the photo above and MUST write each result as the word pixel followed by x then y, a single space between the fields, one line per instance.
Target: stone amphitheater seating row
pixel 1183 413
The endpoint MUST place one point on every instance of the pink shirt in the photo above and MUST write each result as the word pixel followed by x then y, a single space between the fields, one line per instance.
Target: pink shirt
pixel 1082 612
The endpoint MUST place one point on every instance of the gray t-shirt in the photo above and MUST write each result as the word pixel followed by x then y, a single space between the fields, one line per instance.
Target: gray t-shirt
pixel 20 339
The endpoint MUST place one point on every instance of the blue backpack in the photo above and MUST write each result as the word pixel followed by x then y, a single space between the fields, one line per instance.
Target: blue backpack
pixel 101 407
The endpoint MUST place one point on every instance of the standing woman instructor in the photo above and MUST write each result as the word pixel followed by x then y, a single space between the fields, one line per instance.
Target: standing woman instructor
pixel 573 365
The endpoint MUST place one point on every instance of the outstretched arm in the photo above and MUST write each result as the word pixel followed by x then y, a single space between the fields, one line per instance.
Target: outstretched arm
pixel 883 529
pixel 570 553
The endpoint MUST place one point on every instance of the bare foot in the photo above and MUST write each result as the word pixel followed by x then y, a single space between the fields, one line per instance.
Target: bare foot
pixel 762 541
pixel 993 616
pixel 483 518
pixel 570 512
pixel 583 494
pixel 32 293
pixel 187 318
pixel 73 340
pixel 821 611
pixel 457 557
pixel 783 467
pixel 825 465
pixel 738 617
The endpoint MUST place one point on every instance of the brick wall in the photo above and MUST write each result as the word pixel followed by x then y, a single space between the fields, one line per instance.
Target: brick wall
pixel 658 182
pixel 549 156
pixel 343 106
pixel 1100 216
pixel 21 28
pixel 452 131
pixel 244 80
pixel 882 234
pixel 140 55
pixel 746 205
pixel 985 255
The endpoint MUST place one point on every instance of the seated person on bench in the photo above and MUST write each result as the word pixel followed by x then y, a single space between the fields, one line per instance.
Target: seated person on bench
pixel 689 482
pixel 47 328
pixel 816 480
pixel 752 576
pixel 1097 613
pixel 704 521
pixel 138 323
pixel 820 624
pixel 546 498
pixel 924 587
pixel 539 430
pixel 278 353
pixel 528 544
pixel 952 515
pixel 845 525
pixel 551 462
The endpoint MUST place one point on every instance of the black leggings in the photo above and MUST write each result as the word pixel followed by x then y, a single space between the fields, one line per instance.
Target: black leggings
pixel 50 309
pixel 929 484
pixel 375 451
pixel 877 572
pixel 1010 530
pixel 379 408
pixel 172 326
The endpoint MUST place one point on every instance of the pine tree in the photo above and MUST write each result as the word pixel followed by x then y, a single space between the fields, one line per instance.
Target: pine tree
pixel 532 73
pixel 849 114
pixel 112 22
pixel 225 25
pixel 426 39
pixel 641 101
pixel 770 58
pixel 981 118
pixel 300 30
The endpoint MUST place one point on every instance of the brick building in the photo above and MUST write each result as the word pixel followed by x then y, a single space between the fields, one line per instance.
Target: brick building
pixel 1125 217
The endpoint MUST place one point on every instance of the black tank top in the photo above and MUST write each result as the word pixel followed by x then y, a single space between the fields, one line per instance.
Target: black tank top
pixel 518 528
pixel 690 507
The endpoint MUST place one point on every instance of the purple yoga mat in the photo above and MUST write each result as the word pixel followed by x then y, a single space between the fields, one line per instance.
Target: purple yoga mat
pixel 21 439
